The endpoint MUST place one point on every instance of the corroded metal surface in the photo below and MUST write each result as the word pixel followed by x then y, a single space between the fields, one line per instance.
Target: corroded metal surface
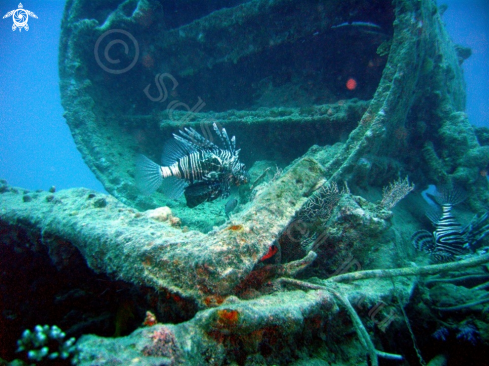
pixel 409 121
pixel 128 245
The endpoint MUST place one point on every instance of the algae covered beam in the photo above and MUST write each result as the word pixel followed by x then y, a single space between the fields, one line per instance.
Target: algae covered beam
pixel 131 246
pixel 411 271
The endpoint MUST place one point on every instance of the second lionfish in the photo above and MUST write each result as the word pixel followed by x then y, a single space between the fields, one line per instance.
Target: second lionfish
pixel 450 239
pixel 193 165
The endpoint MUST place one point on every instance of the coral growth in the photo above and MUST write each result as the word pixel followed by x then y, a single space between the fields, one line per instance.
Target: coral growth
pixel 227 318
pixel 46 342
pixel 163 344
pixel 321 204
pixel 395 192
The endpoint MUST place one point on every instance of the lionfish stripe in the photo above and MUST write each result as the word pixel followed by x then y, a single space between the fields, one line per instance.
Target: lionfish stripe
pixel 185 168
pixel 453 237
pixel 195 167
pixel 448 224
pixel 190 167
pixel 450 239
pixel 166 171
pixel 451 248
pixel 175 170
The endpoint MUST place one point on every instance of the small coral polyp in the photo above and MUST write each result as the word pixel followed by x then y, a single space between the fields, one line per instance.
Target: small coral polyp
pixel 39 343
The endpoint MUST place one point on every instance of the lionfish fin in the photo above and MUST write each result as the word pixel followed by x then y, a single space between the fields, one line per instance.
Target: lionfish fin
pixel 148 175
pixel 423 241
pixel 173 187
pixel 229 145
pixel 450 195
pixel 433 213
pixel 173 150
pixel 233 143
pixel 476 230
pixel 194 140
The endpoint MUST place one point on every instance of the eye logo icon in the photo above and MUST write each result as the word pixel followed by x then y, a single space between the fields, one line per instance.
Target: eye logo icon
pixel 20 17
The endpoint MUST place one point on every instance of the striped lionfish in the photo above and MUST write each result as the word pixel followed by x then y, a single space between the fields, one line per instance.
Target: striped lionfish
pixel 193 165
pixel 449 239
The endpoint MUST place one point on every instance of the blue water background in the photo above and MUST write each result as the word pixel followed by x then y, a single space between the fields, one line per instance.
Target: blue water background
pixel 36 147
pixel 37 150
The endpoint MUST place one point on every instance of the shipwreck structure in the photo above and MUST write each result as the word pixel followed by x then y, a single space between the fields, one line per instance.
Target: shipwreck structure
pixel 325 93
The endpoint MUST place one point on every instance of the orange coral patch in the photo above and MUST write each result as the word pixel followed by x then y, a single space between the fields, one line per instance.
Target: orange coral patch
pixel 227 318
pixel 235 227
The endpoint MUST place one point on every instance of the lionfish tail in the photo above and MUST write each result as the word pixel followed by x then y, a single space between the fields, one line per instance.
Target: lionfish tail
pixel 148 175
pixel 449 195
